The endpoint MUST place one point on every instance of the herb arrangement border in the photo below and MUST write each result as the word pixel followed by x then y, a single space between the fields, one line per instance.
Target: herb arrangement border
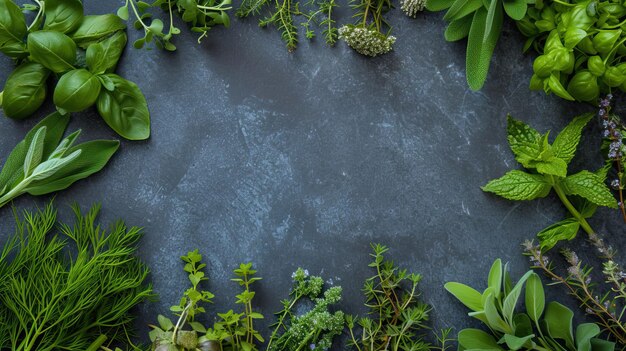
pixel 581 47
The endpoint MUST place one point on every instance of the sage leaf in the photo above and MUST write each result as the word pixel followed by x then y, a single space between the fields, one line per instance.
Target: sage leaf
pixel 534 297
pixel 64 145
pixel 50 167
pixel 566 142
pixel 25 90
pixel 476 339
pixel 493 316
pixel 584 333
pixel 510 301
pixel 591 187
pixel 56 51
pixel 516 343
pixel 35 151
pixel 125 109
pixel 96 27
pixel 13 170
pixel 471 298
pixel 480 47
pixel 563 230
pixel 519 185
pixel 438 5
pixel 558 320
pixel 12 29
pixel 459 29
pixel 94 155
pixel 462 8
pixel 522 323
pixel 76 90
pixel 602 345
pixel 63 15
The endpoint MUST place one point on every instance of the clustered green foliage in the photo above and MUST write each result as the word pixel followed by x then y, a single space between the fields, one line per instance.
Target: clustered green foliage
pixel 481 23
pixel 398 318
pixel 81 53
pixel 547 169
pixel 580 45
pixel 282 13
pixel 200 15
pixel 68 290
pixel 370 35
pixel 315 329
pixel 233 331
pixel 43 162
pixel 541 327
pixel 605 301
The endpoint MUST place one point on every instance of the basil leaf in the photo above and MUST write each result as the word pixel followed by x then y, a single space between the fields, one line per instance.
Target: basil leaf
pixel 12 29
pixel 95 28
pixel 125 109
pixel 56 51
pixel 516 9
pixel 12 171
pixel 76 90
pixel 584 86
pixel 63 15
pixel 25 90
pixel 93 156
pixel 557 88
pixel 103 56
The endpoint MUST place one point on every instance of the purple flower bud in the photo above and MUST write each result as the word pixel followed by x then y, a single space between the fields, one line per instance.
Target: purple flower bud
pixel 605 133
pixel 602 112
pixel 615 183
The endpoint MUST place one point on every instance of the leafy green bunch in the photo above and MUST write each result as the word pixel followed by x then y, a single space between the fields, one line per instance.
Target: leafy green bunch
pixel 580 45
pixel 371 34
pixel 71 290
pixel 398 317
pixel 540 327
pixel 282 13
pixel 81 52
pixel 313 330
pixel 233 331
pixel 480 21
pixel 44 162
pixel 200 15
pixel 547 166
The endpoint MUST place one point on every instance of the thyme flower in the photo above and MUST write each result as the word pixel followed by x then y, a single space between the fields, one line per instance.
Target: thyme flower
pixel 412 7
pixel 366 40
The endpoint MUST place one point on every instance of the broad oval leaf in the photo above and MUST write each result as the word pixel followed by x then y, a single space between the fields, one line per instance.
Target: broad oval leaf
pixel 476 339
pixel 591 187
pixel 63 15
pixel 516 9
pixel 76 90
pixel 56 51
pixel 102 57
pixel 25 90
pixel 467 295
pixel 558 320
pixel 125 109
pixel 534 297
pixel 12 29
pixel 516 343
pixel 584 333
pixel 95 28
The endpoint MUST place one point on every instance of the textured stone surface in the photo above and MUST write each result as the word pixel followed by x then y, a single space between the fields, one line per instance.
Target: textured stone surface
pixel 304 158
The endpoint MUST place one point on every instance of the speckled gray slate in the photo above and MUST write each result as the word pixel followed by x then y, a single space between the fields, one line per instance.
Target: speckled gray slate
pixel 304 158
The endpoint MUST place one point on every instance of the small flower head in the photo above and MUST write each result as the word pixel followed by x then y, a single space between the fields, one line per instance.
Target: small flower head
pixel 366 41
pixel 412 7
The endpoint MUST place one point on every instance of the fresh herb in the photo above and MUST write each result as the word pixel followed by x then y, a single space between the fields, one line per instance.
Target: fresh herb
pixel 548 170
pixel 283 18
pixel 541 327
pixel 68 290
pixel 580 45
pixel 366 36
pixel 201 15
pixel 233 332
pixel 481 23
pixel 315 329
pixel 398 317
pixel 412 7
pixel 48 48
pixel 604 302
pixel 42 163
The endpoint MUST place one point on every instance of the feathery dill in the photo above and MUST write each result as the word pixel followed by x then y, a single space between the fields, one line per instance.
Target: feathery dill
pixel 64 291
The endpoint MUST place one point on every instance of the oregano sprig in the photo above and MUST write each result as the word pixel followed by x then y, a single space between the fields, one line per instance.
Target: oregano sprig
pixel 547 170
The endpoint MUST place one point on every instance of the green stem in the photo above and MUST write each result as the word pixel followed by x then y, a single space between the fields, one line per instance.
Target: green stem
pixel 583 222
pixel 42 7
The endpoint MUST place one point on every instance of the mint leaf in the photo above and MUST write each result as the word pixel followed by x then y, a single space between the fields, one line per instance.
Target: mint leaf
pixel 563 230
pixel 525 142
pixel 553 166
pixel 590 186
pixel 519 185
pixel 565 144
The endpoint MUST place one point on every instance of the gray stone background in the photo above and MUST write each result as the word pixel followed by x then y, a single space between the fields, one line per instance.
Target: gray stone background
pixel 305 158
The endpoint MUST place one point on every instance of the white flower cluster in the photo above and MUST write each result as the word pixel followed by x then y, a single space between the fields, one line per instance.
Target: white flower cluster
pixel 412 7
pixel 366 41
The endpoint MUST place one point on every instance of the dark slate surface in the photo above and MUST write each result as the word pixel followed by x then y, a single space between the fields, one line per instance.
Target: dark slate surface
pixel 304 158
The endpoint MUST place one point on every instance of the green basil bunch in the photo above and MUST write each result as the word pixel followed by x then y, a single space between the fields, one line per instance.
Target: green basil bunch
pixel 480 21
pixel 581 47
pixel 43 162
pixel 80 51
